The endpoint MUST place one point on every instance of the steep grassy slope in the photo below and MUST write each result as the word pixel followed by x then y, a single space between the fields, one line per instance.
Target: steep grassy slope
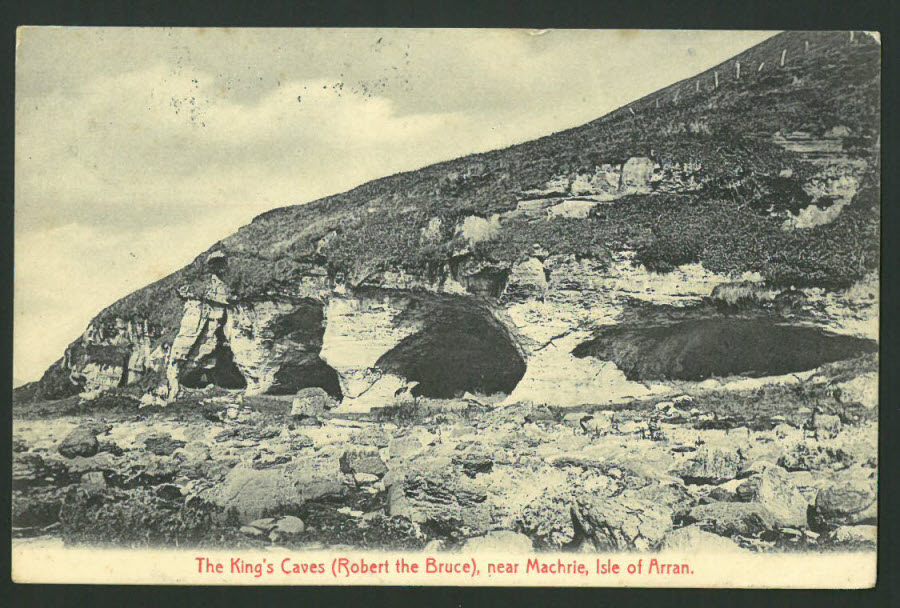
pixel 726 125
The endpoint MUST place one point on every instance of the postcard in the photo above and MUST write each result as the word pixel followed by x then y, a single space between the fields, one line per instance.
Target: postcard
pixel 446 307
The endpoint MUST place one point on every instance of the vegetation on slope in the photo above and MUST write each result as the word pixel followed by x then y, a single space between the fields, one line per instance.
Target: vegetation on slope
pixel 826 81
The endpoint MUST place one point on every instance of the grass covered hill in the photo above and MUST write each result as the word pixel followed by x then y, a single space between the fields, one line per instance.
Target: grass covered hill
pixel 730 124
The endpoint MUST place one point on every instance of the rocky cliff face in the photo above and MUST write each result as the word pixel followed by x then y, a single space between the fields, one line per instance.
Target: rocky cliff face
pixel 708 200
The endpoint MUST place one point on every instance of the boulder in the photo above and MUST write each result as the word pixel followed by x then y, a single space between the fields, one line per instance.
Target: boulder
pixel 252 494
pixel 694 539
pixel 500 542
pixel 80 442
pixel 773 489
pixel 162 444
pixel 311 402
pixel 732 518
pixel 855 535
pixel 434 491
pixel 710 466
pixel 620 524
pixel 862 390
pixel 404 447
pixel 849 503
pixel 287 527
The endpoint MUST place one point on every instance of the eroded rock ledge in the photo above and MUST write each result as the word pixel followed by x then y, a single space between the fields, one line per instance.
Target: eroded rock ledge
pixel 528 333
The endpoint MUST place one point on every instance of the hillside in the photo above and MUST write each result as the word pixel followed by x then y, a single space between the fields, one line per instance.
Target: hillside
pixel 786 131
pixel 728 132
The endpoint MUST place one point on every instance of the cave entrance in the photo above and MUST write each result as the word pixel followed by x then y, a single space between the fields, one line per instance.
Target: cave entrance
pixel 218 369
pixel 459 350
pixel 313 371
pixel 701 349
pixel 300 334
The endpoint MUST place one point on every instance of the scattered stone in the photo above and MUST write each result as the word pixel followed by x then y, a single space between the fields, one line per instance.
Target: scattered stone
pixel 266 524
pixel 80 442
pixel 300 442
pixel 809 457
pixel 19 445
pixel 264 460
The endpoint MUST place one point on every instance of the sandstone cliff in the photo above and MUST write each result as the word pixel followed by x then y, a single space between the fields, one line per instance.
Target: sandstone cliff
pixel 748 191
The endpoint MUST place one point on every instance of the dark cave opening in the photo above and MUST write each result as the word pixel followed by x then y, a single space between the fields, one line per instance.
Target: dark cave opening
pixel 301 332
pixel 458 351
pixel 218 369
pixel 705 348
pixel 293 376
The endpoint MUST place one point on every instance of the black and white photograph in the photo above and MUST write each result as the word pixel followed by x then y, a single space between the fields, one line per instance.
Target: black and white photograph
pixel 494 307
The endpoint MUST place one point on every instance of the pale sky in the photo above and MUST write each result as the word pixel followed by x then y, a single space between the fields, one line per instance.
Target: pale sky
pixel 138 148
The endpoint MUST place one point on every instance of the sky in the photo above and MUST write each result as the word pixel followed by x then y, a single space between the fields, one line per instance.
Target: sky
pixel 138 148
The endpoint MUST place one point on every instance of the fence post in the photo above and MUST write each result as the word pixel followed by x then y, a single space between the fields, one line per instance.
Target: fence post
pixel 761 64
pixel 783 55
pixel 806 46
pixel 851 36
pixel 737 70
pixel 716 75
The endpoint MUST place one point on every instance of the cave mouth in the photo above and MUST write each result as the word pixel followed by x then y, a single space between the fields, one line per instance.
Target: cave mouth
pixel 706 348
pixel 300 332
pixel 294 376
pixel 458 351
pixel 219 369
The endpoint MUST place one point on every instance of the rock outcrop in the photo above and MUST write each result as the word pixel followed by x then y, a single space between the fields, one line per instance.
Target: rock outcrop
pixel 496 274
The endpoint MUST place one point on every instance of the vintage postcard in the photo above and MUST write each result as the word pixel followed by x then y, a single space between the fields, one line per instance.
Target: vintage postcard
pixel 446 307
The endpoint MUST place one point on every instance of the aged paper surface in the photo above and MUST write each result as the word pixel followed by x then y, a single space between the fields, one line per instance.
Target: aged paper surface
pixel 446 307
